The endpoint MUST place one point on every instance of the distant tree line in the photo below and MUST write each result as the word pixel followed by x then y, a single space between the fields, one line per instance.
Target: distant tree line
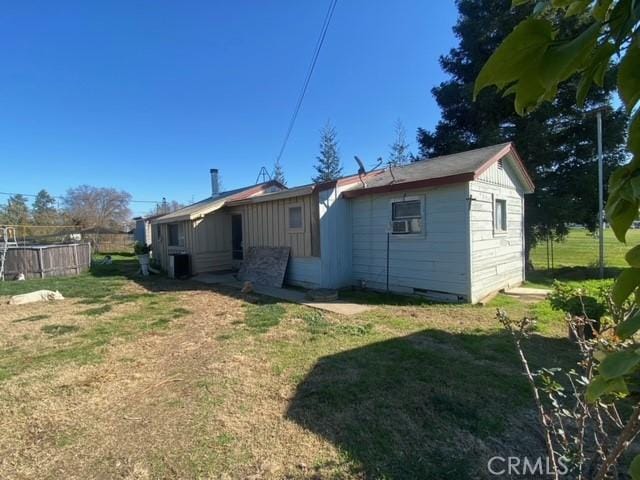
pixel 84 206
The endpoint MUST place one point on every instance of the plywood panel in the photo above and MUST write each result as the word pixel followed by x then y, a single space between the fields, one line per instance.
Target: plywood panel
pixel 265 265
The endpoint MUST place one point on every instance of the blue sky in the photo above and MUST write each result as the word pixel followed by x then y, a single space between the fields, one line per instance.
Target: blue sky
pixel 146 96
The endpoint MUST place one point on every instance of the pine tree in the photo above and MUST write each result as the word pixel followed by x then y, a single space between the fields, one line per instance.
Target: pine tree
pixel 278 173
pixel 43 209
pixel 399 154
pixel 557 143
pixel 328 167
pixel 17 210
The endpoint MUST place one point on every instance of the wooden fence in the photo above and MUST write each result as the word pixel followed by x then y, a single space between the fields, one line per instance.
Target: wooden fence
pixel 40 261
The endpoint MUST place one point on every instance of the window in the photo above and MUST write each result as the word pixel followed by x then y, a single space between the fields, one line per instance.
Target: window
pixel 176 235
pixel 406 217
pixel 158 230
pixel 295 221
pixel 500 216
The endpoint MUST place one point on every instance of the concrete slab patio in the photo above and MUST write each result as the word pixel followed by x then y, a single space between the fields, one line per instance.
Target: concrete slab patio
pixel 528 293
pixel 287 294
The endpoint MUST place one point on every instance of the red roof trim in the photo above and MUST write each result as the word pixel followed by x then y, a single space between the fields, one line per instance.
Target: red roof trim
pixel 255 189
pixel 340 182
pixel 435 182
pixel 427 182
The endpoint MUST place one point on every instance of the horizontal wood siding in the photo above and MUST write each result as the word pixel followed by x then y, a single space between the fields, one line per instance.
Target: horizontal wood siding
pixel 435 261
pixel 497 258
pixel 303 272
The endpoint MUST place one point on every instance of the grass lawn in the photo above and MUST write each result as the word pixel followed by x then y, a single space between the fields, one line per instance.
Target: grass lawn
pixel 168 379
pixel 580 249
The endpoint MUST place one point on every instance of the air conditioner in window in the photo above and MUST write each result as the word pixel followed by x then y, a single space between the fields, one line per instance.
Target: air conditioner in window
pixel 400 226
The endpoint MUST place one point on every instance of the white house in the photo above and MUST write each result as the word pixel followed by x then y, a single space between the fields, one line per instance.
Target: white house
pixel 449 227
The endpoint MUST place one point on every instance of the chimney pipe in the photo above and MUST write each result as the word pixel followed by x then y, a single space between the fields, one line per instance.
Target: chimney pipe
pixel 215 184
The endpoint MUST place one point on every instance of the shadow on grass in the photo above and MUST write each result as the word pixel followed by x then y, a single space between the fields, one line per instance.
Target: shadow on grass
pixel 372 297
pixel 429 405
pixel 568 274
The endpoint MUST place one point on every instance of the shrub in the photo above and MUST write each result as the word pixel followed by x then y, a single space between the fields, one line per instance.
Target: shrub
pixel 588 298
pixel 140 248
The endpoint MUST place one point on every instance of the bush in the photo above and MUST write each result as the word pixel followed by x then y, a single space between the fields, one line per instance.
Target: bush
pixel 140 248
pixel 581 298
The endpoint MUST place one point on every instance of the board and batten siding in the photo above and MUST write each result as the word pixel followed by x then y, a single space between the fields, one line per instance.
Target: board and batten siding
pixel 436 263
pixel 264 224
pixel 207 241
pixel 497 257
pixel 210 243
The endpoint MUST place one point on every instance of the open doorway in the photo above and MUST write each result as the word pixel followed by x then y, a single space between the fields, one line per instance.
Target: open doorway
pixel 236 237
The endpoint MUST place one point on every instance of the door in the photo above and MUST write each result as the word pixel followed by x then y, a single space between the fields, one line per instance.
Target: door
pixel 236 237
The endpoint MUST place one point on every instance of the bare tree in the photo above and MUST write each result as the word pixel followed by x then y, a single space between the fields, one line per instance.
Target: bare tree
pixel 165 207
pixel 90 206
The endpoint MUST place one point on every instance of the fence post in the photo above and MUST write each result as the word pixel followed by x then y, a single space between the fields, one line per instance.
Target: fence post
pixel 41 263
pixel 75 257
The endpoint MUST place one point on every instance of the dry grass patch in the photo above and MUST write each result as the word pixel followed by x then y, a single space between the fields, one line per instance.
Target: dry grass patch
pixel 177 381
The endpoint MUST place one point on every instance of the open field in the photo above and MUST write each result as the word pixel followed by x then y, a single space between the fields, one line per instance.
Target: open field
pixel 168 379
pixel 580 248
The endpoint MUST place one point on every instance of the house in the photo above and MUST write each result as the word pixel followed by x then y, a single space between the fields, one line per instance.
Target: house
pixel 142 229
pixel 449 227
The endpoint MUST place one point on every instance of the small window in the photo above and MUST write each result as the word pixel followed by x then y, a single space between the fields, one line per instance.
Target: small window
pixel 176 235
pixel 500 215
pixel 158 234
pixel 295 218
pixel 406 217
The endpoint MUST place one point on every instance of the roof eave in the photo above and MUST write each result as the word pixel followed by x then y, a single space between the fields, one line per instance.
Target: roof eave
pixel 426 182
pixel 509 149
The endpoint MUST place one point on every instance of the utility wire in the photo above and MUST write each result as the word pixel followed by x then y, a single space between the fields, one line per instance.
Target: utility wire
pixel 61 197
pixel 312 66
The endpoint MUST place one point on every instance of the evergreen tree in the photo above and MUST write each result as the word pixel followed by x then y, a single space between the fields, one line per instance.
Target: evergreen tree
pixel 278 173
pixel 16 211
pixel 557 142
pixel 399 154
pixel 43 209
pixel 328 167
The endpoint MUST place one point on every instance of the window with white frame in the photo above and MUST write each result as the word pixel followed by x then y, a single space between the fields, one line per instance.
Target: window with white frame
pixel 176 234
pixel 406 217
pixel 295 221
pixel 500 215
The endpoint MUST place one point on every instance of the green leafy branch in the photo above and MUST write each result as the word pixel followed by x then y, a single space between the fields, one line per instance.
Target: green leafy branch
pixel 530 64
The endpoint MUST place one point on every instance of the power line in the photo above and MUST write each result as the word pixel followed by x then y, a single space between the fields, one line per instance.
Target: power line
pixel 314 59
pixel 62 197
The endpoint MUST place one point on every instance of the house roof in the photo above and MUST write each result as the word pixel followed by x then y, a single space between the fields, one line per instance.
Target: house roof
pixel 211 204
pixel 148 218
pixel 280 195
pixel 444 170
